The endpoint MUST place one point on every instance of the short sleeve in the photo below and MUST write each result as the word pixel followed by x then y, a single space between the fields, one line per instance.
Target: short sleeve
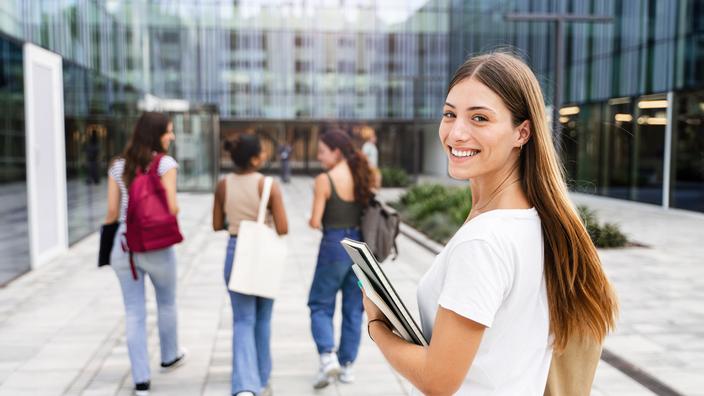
pixel 166 164
pixel 116 168
pixel 476 282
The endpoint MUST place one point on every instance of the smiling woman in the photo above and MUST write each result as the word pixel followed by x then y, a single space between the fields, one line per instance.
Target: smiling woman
pixel 521 277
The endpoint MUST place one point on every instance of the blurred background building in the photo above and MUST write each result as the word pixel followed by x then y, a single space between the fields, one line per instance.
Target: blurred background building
pixel 631 113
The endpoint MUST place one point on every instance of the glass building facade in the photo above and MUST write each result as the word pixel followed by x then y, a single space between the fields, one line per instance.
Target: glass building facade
pixel 286 70
pixel 14 238
pixel 633 91
pixel 632 111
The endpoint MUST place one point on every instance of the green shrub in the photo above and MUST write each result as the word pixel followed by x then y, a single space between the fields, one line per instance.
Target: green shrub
pixel 438 227
pixel 435 210
pixel 607 236
pixel 420 193
pixel 394 177
pixel 611 236
pixel 438 212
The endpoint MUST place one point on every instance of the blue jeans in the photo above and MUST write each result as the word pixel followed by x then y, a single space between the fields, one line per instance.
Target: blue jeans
pixel 160 265
pixel 333 273
pixel 251 335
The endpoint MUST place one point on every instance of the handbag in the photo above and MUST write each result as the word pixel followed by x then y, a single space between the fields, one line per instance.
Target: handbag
pixel 107 238
pixel 572 371
pixel 260 255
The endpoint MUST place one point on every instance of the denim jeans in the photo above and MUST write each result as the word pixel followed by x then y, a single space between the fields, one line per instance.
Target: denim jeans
pixel 333 273
pixel 160 265
pixel 251 335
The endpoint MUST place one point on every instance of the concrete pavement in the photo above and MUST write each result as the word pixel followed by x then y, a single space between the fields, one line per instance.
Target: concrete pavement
pixel 62 325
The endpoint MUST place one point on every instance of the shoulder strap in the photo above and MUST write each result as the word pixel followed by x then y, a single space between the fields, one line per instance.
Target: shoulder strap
pixel 333 192
pixel 154 166
pixel 265 199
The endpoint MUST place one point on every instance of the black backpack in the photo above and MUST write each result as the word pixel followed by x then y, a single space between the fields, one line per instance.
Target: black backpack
pixel 380 226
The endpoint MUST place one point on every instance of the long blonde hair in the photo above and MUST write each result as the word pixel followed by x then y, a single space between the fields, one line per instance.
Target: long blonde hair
pixel 581 300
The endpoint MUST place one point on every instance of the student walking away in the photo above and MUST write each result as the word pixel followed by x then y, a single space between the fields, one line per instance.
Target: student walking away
pixel 237 198
pixel 141 190
pixel 521 278
pixel 285 155
pixel 370 150
pixel 339 197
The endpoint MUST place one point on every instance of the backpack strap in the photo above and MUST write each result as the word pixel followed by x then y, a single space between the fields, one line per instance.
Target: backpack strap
pixel 154 165
pixel 268 181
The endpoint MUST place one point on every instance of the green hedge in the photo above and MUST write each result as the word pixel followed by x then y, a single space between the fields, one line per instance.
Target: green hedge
pixel 436 210
pixel 605 236
pixel 394 177
pixel 439 211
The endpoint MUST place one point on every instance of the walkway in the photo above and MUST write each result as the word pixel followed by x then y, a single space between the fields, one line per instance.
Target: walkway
pixel 62 329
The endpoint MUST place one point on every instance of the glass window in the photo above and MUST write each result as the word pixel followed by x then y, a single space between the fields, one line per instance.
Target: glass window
pixel 649 146
pixel 618 146
pixel 14 239
pixel 688 153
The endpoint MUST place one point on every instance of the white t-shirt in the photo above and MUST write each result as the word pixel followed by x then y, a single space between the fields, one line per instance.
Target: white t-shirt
pixel 491 272
pixel 372 153
pixel 118 168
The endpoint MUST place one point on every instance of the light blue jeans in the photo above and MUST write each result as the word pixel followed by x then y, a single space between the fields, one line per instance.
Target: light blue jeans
pixel 160 265
pixel 251 335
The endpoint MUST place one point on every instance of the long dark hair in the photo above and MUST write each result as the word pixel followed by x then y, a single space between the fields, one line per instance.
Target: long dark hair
pixel 361 173
pixel 242 149
pixel 145 140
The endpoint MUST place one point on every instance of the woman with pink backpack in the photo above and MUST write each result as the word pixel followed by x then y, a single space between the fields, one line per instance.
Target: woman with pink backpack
pixel 142 197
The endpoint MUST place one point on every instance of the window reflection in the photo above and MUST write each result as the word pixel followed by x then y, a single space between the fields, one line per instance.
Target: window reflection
pixel 619 142
pixel 649 146
pixel 14 239
pixel 687 187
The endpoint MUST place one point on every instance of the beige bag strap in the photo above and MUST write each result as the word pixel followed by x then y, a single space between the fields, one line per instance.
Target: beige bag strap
pixel 266 192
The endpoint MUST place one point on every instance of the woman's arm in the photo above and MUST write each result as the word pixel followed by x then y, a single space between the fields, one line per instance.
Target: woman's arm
pixel 113 201
pixel 321 191
pixel 440 368
pixel 168 180
pixel 276 205
pixel 218 206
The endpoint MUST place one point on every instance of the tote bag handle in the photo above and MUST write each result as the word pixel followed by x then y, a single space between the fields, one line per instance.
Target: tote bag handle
pixel 268 181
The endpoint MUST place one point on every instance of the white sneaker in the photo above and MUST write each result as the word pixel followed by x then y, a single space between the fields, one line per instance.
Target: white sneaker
pixel 329 369
pixel 347 374
pixel 247 393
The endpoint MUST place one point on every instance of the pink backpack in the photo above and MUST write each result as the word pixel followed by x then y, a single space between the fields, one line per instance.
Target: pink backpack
pixel 150 224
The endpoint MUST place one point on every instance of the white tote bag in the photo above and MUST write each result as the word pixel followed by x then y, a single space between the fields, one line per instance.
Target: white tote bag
pixel 260 255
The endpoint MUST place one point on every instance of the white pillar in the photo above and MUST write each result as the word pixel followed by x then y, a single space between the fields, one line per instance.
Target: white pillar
pixel 46 154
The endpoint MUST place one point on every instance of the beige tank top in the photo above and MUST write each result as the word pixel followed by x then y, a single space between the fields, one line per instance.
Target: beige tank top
pixel 242 200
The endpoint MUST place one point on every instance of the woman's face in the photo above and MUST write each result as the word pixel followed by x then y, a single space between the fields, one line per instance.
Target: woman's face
pixel 327 157
pixel 477 131
pixel 168 137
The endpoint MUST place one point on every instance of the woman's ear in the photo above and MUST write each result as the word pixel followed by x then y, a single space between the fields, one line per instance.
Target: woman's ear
pixel 524 133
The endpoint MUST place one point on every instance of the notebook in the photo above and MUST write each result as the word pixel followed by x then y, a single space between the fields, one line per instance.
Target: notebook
pixel 381 292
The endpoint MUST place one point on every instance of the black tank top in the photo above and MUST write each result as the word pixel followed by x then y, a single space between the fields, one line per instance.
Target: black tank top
pixel 340 213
